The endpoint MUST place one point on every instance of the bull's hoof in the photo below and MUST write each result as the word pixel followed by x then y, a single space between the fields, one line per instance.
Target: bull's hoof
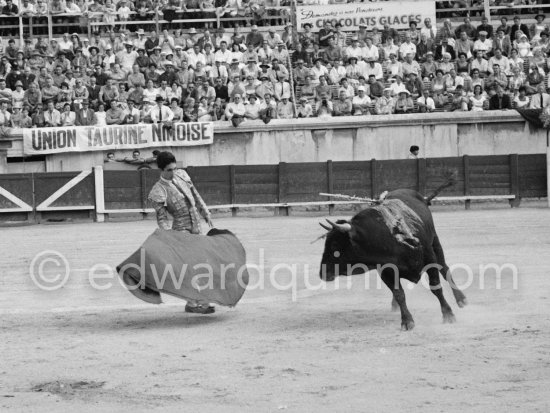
pixel 449 318
pixel 462 303
pixel 407 325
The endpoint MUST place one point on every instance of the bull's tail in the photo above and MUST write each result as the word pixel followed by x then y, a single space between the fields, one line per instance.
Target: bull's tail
pixel 451 180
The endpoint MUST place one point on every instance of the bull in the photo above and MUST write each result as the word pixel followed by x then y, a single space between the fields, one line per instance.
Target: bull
pixel 398 238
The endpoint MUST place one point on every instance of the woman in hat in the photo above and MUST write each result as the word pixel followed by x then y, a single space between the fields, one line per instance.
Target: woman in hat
pixel 404 103
pixel 537 28
pixel 523 46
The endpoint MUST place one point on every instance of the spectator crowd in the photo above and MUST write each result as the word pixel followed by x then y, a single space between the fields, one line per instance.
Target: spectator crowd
pixel 194 75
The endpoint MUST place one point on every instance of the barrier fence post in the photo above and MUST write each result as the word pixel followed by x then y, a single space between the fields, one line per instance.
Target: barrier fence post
pixel 548 167
pixel 282 187
pixel 330 185
pixel 373 179
pixel 421 175
pixel 514 180
pixel 466 162
pixel 487 9
pixel 232 194
pixel 99 191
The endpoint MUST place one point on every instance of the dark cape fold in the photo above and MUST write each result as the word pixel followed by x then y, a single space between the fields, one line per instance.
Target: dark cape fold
pixel 209 268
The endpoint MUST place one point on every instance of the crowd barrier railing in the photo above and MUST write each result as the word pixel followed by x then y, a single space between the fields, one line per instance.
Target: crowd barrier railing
pixel 282 186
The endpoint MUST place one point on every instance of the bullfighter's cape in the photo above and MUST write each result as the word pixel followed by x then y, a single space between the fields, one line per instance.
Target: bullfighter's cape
pixel 208 267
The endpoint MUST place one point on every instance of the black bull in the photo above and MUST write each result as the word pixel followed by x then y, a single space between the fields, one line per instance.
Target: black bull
pixel 396 237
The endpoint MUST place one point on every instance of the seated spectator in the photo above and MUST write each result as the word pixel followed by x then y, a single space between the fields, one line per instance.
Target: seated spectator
pixel 439 89
pixel 500 100
pixel 85 116
pixel 521 101
pixel 52 117
pixel 38 118
pixel 285 109
pixel 478 100
pixel 414 85
pixel 429 67
pixel 235 110
pixel 483 44
pixel 541 99
pixel 68 117
pixel 464 46
pixel 397 85
pixel 324 106
pixel 115 115
pixel 496 78
pixel 444 48
pixel 304 108
pixel 480 64
pixel 253 107
pixel 501 61
pixel 404 103
pixel 425 102
pixel 386 104
pixel 345 87
pixel 458 99
pixel 376 88
pixel 446 65
pixel 101 115
pixel 361 103
pixel 452 81
pixel 373 68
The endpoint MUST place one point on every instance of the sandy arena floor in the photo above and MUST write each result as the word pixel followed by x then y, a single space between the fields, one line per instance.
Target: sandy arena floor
pixel 334 348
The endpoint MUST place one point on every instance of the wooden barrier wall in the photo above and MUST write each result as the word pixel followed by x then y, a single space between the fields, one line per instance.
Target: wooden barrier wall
pixel 519 175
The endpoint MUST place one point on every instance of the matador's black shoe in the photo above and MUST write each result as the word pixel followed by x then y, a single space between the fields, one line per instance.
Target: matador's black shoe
pixel 200 309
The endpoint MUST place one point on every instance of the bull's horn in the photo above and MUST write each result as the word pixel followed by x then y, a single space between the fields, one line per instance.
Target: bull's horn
pixel 325 226
pixel 340 227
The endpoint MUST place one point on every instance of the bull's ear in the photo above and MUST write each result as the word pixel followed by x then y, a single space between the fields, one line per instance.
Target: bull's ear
pixel 325 226
pixel 344 227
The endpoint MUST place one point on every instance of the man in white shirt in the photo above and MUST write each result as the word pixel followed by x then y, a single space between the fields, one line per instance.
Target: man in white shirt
pixel 236 108
pixel 5 116
pixel 26 9
pixel 407 47
pixel 223 55
pixel 429 30
pixel 127 57
pixel 541 99
pixel 425 102
pixel 65 43
pixel 52 117
pixel 373 68
pixel 483 44
pixel 397 86
pixel 160 113
pixel 501 61
pixel 370 50
pixel 354 50
pixel 139 43
pixel 360 103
